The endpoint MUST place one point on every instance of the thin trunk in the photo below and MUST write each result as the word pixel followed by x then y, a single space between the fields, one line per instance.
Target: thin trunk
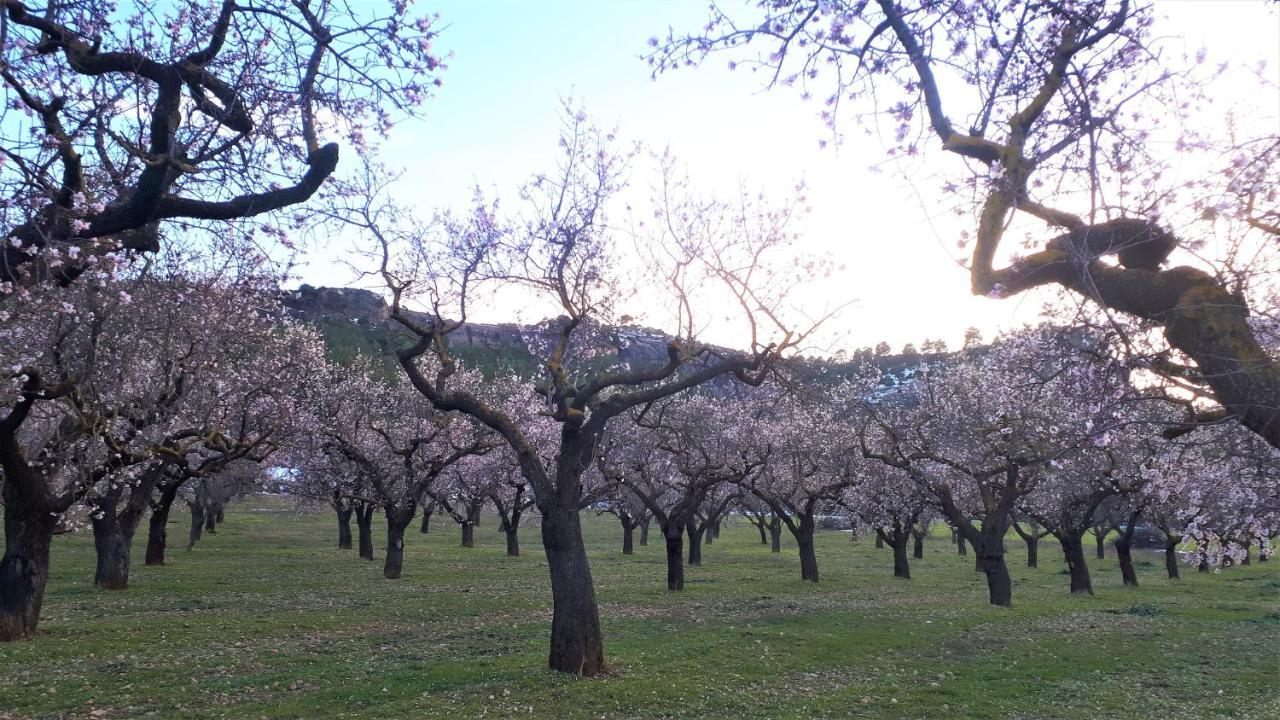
pixel 775 534
pixel 513 540
pixel 901 567
pixel 425 528
pixel 695 542
pixel 157 525
pixel 644 533
pixel 1033 551
pixel 397 522
pixel 1073 550
pixel 960 545
pixel 1126 561
pixel 879 541
pixel 764 536
pixel 675 556
pixel 211 521
pixel 1100 544
pixel 1171 559
pixel 577 644
pixel 344 528
pixel 917 549
pixel 364 529
pixel 197 523
pixel 808 557
pixel 628 538
pixel 24 569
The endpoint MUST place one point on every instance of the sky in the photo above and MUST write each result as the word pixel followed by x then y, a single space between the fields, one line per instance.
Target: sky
pixel 495 121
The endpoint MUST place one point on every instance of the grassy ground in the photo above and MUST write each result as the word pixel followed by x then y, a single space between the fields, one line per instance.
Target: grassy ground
pixel 268 619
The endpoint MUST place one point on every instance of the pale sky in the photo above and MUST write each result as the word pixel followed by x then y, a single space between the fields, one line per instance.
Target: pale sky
pixel 495 122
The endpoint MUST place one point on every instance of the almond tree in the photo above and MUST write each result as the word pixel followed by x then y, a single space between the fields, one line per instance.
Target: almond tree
pixel 1055 110
pixel 560 248
pixel 191 114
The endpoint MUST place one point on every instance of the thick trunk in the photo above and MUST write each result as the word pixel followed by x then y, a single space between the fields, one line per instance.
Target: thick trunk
pixel 695 543
pixel 577 645
pixel 1126 562
pixel 112 540
pixel 1171 559
pixel 513 540
pixel 24 569
pixel 364 529
pixel 344 528
pixel 394 561
pixel 990 552
pixel 468 534
pixel 675 558
pixel 808 557
pixel 775 534
pixel 197 523
pixel 628 538
pixel 901 568
pixel 1073 551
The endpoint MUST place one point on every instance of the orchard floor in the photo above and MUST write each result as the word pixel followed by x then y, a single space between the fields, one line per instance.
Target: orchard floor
pixel 266 619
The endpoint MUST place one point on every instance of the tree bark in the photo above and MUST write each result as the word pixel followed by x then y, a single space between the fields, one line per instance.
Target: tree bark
pixel 1100 543
pixel 513 540
pixel 577 644
pixel 219 516
pixel 901 567
pixel 764 536
pixel 1033 552
pixel 197 523
pixel 1073 551
pixel 24 571
pixel 695 542
pixel 879 541
pixel 775 534
pixel 644 533
pixel 468 534
pixel 425 528
pixel 628 538
pixel 211 521
pixel 158 524
pixel 675 556
pixel 808 556
pixel 999 585
pixel 1125 556
pixel 396 525
pixel 917 549
pixel 1171 559
pixel 364 529
pixel 344 527
pixel 112 541
pixel 961 549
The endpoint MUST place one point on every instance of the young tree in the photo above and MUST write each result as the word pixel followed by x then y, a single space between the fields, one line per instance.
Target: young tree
pixel 562 249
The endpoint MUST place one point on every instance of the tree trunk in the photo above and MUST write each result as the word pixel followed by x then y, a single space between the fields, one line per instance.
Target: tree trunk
pixel 1073 550
pixel 879 541
pixel 1100 543
pixel 808 557
pixel 628 538
pixel 675 556
pixel 1171 559
pixel 775 534
pixel 219 516
pixel 394 561
pixel 513 540
pixel 764 536
pixel 197 523
pixel 989 548
pixel 425 528
pixel 1033 551
pixel 24 569
pixel 112 540
pixel 577 645
pixel 468 534
pixel 344 528
pixel 364 529
pixel 695 542
pixel 901 567
pixel 644 533
pixel 917 549
pixel 158 524
pixel 211 521
pixel 1245 560
pixel 1126 561
pixel 960 545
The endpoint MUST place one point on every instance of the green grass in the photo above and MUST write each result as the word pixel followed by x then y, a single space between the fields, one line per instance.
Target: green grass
pixel 267 619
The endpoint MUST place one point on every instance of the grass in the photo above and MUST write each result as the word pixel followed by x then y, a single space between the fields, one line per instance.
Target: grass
pixel 266 619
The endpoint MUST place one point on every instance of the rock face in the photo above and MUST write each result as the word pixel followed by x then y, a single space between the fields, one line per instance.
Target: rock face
pixel 361 306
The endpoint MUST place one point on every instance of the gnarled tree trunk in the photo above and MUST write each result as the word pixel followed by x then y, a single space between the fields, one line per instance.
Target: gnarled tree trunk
pixel 1073 553
pixel 157 525
pixel 775 534
pixel 695 542
pixel 197 522
pixel 398 520
pixel 364 529
pixel 577 644
pixel 24 571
